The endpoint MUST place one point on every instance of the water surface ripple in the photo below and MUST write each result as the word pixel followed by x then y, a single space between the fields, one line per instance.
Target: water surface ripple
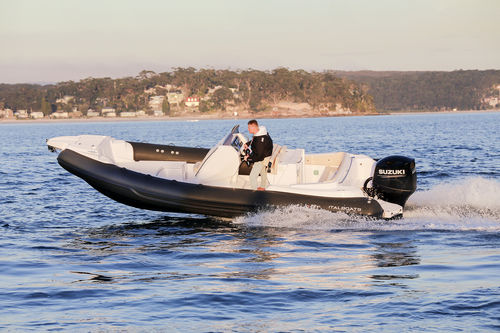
pixel 75 260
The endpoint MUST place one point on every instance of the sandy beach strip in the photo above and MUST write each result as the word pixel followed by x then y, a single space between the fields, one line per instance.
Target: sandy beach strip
pixel 195 118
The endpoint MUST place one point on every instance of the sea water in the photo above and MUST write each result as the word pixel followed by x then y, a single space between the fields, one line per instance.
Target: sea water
pixel 72 259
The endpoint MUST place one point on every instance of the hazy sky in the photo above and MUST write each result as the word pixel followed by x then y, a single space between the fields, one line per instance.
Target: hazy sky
pixel 55 40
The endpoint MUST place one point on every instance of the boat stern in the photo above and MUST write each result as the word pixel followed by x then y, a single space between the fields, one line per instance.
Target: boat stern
pixel 390 210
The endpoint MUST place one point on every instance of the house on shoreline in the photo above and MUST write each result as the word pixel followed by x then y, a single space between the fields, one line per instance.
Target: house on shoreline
pixel 175 97
pixel 155 102
pixel 108 112
pixel 59 115
pixel 128 114
pixel 21 114
pixel 92 113
pixel 192 102
pixel 6 113
pixel 37 115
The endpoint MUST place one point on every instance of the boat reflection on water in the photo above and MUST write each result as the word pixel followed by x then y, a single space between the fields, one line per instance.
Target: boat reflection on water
pixel 181 247
pixel 396 253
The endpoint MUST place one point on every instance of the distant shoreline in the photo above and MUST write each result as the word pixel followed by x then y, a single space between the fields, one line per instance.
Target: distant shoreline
pixel 196 117
pixel 223 117
pixel 395 113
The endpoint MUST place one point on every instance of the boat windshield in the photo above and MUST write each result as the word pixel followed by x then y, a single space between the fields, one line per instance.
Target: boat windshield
pixel 229 138
pixel 235 139
pixel 226 141
pixel 237 143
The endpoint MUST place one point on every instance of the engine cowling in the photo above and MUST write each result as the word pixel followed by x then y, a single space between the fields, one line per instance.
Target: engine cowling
pixel 395 179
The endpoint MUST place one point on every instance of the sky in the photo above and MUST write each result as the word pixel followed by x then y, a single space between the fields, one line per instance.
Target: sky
pixel 59 40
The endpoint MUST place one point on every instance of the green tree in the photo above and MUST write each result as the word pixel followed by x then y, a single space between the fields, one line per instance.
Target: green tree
pixel 165 106
pixel 45 107
pixel 255 102
pixel 204 106
pixel 221 96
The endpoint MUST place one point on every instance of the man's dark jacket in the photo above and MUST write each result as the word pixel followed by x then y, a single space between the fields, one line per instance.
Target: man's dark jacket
pixel 261 145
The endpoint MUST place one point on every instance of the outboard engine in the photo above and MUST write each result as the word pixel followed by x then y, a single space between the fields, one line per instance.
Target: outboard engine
pixel 394 179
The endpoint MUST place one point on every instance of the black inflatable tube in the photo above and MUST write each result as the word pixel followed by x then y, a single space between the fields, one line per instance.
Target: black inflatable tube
pixel 147 192
pixel 155 152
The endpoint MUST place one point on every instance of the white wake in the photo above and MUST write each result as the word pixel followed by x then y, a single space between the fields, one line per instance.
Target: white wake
pixel 468 204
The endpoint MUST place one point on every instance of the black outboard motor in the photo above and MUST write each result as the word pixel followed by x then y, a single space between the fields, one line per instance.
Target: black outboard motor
pixel 394 179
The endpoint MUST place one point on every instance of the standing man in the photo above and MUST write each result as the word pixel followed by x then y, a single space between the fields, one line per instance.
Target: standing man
pixel 261 147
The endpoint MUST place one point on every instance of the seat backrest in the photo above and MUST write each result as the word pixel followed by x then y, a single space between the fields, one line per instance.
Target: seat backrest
pixel 114 151
pixel 326 159
pixel 276 150
pixel 327 174
pixel 292 156
pixel 275 157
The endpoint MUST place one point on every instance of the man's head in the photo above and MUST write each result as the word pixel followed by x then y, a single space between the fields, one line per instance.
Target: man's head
pixel 253 126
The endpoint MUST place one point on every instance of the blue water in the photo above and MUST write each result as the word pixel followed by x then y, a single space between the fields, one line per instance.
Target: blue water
pixel 74 260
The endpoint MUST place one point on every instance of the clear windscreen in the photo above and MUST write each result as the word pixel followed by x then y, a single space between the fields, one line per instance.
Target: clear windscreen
pixel 236 143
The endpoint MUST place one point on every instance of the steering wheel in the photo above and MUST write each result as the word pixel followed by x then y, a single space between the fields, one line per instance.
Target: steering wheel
pixel 243 153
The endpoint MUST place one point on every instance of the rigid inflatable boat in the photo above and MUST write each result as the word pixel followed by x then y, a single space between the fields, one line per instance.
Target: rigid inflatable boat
pixel 215 181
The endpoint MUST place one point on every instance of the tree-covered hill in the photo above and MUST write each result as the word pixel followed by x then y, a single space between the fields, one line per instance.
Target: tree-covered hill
pixel 462 89
pixel 255 90
pixel 250 89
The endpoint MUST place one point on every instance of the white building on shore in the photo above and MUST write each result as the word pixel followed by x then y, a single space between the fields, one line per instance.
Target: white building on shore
pixel 192 102
pixel 6 113
pixel 92 113
pixel 21 114
pixel 108 112
pixel 36 115
pixel 175 97
pixel 59 115
pixel 155 102
pixel 128 114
